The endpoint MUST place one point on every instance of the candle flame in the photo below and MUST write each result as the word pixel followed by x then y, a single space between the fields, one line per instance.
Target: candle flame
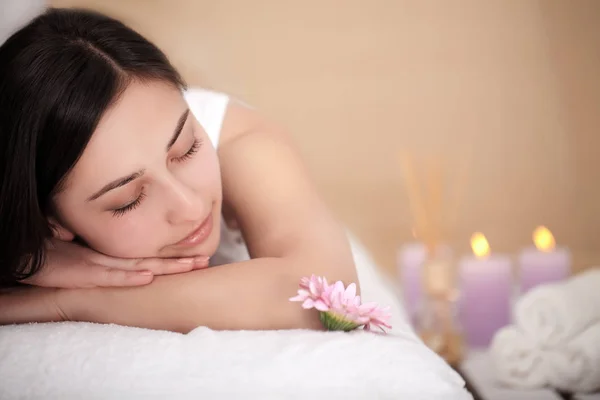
pixel 543 239
pixel 480 245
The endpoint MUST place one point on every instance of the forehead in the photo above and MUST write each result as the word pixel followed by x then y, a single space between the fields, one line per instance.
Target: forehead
pixel 142 109
pixel 135 129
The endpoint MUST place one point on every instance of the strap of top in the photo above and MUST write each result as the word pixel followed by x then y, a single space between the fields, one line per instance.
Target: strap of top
pixel 209 108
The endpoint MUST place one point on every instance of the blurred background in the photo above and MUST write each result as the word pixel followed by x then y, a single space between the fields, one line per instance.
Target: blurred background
pixel 508 89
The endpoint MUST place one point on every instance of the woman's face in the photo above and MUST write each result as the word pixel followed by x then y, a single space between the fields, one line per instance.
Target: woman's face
pixel 148 183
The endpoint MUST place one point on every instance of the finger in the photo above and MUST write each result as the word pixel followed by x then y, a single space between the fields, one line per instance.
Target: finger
pixel 158 266
pixel 114 277
pixel 112 262
pixel 92 275
pixel 167 266
pixel 201 262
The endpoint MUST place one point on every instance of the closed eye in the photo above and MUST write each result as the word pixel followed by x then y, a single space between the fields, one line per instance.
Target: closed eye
pixel 118 212
pixel 190 153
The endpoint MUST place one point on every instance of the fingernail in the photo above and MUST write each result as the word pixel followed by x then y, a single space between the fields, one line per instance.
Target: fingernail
pixel 185 260
pixel 201 260
pixel 145 273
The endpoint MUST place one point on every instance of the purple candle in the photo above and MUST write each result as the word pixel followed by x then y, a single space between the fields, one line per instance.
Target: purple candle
pixel 411 258
pixel 485 284
pixel 543 263
pixel 410 262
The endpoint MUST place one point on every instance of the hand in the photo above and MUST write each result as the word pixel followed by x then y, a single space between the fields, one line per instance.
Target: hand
pixel 69 265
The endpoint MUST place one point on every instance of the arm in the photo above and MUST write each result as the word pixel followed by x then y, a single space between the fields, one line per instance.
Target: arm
pixel 289 232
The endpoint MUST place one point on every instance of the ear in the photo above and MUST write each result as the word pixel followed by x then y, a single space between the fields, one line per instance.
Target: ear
pixel 59 231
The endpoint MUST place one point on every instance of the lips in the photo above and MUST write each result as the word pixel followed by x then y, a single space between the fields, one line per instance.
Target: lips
pixel 200 234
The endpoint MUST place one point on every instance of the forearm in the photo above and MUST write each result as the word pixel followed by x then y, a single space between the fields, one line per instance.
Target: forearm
pixel 248 295
pixel 29 304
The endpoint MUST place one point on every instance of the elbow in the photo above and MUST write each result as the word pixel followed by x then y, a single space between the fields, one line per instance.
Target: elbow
pixel 333 270
pixel 338 266
pixel 343 270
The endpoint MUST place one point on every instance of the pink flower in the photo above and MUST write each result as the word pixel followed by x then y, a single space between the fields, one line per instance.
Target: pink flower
pixel 340 307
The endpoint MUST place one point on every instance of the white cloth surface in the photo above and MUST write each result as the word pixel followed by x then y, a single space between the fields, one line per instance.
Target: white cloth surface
pixel 479 370
pixel 209 108
pixel 516 360
pixel 554 313
pixel 556 339
pixel 575 367
pixel 92 361
pixel 76 361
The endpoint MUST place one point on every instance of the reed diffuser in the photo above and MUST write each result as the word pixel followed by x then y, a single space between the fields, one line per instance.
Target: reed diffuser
pixel 434 212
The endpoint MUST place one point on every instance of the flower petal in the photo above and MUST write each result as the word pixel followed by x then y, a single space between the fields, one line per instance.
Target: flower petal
pixel 321 306
pixel 312 286
pixel 298 298
pixel 338 288
pixel 368 308
pixel 308 304
pixel 350 292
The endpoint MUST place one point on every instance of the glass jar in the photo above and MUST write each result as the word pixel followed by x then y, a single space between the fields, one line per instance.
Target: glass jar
pixel 437 318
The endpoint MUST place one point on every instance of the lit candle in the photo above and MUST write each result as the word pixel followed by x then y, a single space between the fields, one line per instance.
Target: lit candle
pixel 485 284
pixel 543 263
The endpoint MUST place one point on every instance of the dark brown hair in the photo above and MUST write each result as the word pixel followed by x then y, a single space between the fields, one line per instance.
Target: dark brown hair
pixel 58 75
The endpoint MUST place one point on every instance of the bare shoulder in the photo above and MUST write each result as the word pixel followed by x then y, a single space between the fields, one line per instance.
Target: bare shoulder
pixel 241 120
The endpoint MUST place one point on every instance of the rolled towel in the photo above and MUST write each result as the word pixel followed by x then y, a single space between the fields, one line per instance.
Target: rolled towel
pixel 516 360
pixel 576 366
pixel 554 313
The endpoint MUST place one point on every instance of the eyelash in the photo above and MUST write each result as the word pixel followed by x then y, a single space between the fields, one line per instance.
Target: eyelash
pixel 129 207
pixel 135 204
pixel 193 150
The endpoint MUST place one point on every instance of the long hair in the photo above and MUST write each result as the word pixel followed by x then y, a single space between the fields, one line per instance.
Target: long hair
pixel 58 75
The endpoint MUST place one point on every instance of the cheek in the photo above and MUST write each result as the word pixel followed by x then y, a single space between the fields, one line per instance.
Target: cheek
pixel 212 171
pixel 203 173
pixel 139 236
pixel 131 236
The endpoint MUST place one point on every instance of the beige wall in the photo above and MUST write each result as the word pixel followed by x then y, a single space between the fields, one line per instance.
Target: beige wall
pixel 356 82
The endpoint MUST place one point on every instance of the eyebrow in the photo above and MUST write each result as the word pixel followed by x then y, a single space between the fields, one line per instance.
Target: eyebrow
pixel 178 128
pixel 129 178
pixel 115 184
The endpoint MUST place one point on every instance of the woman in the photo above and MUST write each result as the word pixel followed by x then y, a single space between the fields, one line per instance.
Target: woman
pixel 111 193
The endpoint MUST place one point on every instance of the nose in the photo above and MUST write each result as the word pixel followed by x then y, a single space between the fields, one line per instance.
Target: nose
pixel 184 204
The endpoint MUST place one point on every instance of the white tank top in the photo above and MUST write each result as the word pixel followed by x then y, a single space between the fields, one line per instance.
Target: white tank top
pixel 209 108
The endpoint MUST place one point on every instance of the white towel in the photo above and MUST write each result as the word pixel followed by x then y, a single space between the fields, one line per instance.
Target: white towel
pixel 554 313
pixel 575 367
pixel 516 360
pixel 92 361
